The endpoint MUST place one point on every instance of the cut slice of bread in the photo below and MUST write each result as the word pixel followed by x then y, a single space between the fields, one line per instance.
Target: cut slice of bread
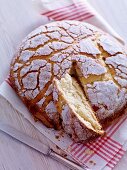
pixel 78 117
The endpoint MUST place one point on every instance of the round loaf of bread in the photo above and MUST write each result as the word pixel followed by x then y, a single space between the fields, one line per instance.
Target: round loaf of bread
pixel 96 60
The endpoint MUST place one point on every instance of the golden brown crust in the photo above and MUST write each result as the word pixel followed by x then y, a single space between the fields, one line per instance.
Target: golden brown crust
pixel 64 47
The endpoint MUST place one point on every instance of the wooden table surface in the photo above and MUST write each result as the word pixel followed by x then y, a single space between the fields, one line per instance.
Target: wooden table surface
pixel 17 19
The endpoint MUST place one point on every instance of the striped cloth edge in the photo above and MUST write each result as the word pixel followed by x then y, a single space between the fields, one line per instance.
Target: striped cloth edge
pixel 76 11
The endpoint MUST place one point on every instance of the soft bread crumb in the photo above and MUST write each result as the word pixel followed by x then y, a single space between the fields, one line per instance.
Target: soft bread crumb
pixel 77 101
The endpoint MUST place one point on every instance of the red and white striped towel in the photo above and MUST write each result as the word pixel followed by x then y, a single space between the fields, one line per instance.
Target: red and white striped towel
pixel 76 11
pixel 105 152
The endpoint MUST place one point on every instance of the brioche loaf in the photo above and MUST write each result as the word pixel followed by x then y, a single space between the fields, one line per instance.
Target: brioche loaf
pixel 94 63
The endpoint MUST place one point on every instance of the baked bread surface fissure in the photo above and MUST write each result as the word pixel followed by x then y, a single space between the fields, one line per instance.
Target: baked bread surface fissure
pixel 68 47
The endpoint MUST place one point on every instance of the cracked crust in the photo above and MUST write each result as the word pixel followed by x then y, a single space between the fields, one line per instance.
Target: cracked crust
pixel 57 48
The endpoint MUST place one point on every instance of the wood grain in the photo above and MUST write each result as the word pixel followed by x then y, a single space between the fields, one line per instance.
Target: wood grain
pixel 17 19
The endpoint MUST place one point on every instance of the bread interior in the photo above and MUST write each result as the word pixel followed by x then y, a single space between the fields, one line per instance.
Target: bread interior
pixel 74 96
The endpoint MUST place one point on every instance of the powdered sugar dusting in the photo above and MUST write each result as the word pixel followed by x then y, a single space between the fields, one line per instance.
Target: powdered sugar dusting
pixel 82 132
pixel 72 125
pixel 51 109
pixel 85 31
pixel 107 97
pixel 118 60
pixel 54 35
pixel 64 25
pixel 119 63
pixel 28 94
pixel 58 57
pixel 75 29
pixel 66 64
pixel 35 41
pixel 121 81
pixel 55 94
pixel 35 65
pixel 26 55
pixel 49 91
pixel 56 69
pixel 110 46
pixel 45 50
pixel 67 39
pixel 31 94
pixel 45 75
pixel 87 46
pixel 41 102
pixel 17 66
pixel 35 92
pixel 56 45
pixel 53 28
pixel 30 80
pixel 66 118
pixel 41 29
pixel 90 66
pixel 17 84
pixel 24 70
